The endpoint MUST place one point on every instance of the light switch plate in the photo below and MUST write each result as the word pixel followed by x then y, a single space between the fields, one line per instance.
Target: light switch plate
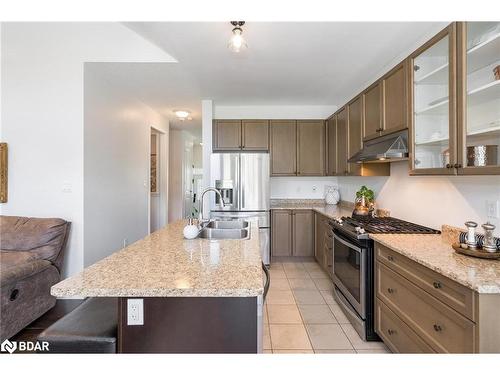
pixel 135 312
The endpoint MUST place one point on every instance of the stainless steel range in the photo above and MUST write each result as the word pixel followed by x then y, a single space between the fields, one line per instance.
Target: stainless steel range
pixel 353 268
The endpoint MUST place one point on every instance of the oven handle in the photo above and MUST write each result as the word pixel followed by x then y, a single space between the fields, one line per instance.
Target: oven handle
pixel 348 244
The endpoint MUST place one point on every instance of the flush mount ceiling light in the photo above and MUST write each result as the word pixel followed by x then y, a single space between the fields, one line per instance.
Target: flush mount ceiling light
pixel 182 114
pixel 237 43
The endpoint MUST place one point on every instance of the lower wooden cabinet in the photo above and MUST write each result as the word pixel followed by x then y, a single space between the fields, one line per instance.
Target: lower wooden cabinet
pixel 292 233
pixel 323 244
pixel 396 334
pixel 281 233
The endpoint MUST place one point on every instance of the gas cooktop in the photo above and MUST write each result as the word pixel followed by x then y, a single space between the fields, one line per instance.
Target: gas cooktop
pixel 360 226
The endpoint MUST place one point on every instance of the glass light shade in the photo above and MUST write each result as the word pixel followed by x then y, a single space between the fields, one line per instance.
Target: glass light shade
pixel 237 43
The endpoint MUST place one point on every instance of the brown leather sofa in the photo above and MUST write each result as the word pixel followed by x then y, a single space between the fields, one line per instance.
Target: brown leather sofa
pixel 31 254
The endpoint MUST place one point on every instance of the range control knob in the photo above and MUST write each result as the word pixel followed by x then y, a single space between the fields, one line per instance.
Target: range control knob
pixel 359 230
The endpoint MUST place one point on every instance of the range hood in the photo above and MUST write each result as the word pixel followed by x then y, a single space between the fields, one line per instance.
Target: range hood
pixel 390 147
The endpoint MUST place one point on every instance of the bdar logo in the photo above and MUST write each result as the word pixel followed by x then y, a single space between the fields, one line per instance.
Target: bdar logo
pixel 8 346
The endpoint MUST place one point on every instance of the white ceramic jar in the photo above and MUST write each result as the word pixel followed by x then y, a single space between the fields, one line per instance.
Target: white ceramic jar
pixel 332 195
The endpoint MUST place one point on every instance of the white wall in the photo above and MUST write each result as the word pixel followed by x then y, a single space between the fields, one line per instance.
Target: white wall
pixel 300 187
pixel 429 200
pixel 298 112
pixel 116 166
pixel 42 114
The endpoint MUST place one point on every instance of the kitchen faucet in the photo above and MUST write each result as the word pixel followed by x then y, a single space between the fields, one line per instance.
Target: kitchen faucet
pixel 221 203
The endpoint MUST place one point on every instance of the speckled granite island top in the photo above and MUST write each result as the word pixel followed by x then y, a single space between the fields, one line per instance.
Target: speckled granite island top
pixel 435 252
pixel 164 264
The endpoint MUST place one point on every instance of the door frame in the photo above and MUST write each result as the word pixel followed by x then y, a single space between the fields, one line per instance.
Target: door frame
pixel 162 181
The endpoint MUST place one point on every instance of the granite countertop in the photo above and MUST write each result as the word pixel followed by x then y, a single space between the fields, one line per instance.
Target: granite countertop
pixel 434 251
pixel 318 205
pixel 164 264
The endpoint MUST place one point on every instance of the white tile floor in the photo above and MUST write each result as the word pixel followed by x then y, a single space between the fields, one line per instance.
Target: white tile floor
pixel 301 315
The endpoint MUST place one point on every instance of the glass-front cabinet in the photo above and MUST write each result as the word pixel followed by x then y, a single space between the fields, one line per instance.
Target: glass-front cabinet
pixel 433 105
pixel 478 97
pixel 454 101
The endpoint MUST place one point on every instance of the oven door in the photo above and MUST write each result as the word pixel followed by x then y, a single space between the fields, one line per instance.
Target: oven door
pixel 349 272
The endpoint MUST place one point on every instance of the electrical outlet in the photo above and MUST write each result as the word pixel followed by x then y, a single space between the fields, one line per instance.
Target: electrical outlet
pixel 492 209
pixel 314 188
pixel 135 312
pixel 125 242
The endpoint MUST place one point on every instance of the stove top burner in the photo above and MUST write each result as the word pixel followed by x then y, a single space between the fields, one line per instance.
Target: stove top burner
pixel 386 225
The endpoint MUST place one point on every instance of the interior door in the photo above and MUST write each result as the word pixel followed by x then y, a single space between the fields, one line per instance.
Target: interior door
pixel 254 182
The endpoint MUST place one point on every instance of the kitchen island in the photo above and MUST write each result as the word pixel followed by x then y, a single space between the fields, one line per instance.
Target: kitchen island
pixel 199 296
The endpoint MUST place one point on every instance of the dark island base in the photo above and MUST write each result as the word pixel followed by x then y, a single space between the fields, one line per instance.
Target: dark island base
pixel 191 325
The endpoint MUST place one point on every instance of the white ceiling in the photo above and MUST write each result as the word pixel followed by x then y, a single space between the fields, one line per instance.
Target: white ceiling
pixel 302 63
pixel 288 63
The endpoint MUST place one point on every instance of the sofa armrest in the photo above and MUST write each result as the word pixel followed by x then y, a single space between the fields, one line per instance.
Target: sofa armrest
pixel 21 271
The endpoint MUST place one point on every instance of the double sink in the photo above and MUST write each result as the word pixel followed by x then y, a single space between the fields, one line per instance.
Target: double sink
pixel 226 230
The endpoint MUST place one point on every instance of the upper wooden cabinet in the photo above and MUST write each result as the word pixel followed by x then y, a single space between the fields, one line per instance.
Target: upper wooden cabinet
pixel 297 147
pixel 394 99
pixel 372 110
pixel 342 142
pixel 354 134
pixel 331 146
pixel 255 135
pixel 283 147
pixel 241 135
pixel 310 147
pixel 455 101
pixel 478 100
pixel 432 101
pixel 226 135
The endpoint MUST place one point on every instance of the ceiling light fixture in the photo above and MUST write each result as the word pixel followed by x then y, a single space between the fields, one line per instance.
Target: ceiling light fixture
pixel 182 114
pixel 237 43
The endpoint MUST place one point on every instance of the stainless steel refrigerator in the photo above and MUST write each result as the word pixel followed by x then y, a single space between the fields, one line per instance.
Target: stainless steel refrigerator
pixel 243 181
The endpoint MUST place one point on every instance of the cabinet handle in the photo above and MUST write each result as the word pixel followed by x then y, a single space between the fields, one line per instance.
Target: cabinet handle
pixel 437 328
pixel 391 332
pixel 457 166
pixel 448 166
pixel 390 290
pixel 390 258
pixel 437 284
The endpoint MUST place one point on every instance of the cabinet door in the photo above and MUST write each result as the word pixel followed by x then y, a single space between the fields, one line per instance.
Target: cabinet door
pixel 395 99
pixel 319 239
pixel 303 233
pixel 281 233
pixel 372 107
pixel 227 135
pixel 255 135
pixel 478 97
pixel 283 148
pixel 433 105
pixel 331 146
pixel 355 138
pixel 342 142
pixel 311 148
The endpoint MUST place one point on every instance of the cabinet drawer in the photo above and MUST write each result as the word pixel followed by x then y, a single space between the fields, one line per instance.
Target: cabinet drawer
pixel 451 293
pixel 396 334
pixel 441 327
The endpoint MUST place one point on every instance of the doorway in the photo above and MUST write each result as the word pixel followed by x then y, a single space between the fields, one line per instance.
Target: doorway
pixel 157 181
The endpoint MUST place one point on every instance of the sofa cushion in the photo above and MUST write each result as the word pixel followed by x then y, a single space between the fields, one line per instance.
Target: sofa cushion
pixel 43 237
pixel 16 272
pixel 14 258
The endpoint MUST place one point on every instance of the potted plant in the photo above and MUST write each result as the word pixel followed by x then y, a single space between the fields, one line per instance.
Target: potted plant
pixel 365 201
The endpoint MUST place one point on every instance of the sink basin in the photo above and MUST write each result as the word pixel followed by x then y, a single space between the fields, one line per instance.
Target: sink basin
pixel 228 224
pixel 224 234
